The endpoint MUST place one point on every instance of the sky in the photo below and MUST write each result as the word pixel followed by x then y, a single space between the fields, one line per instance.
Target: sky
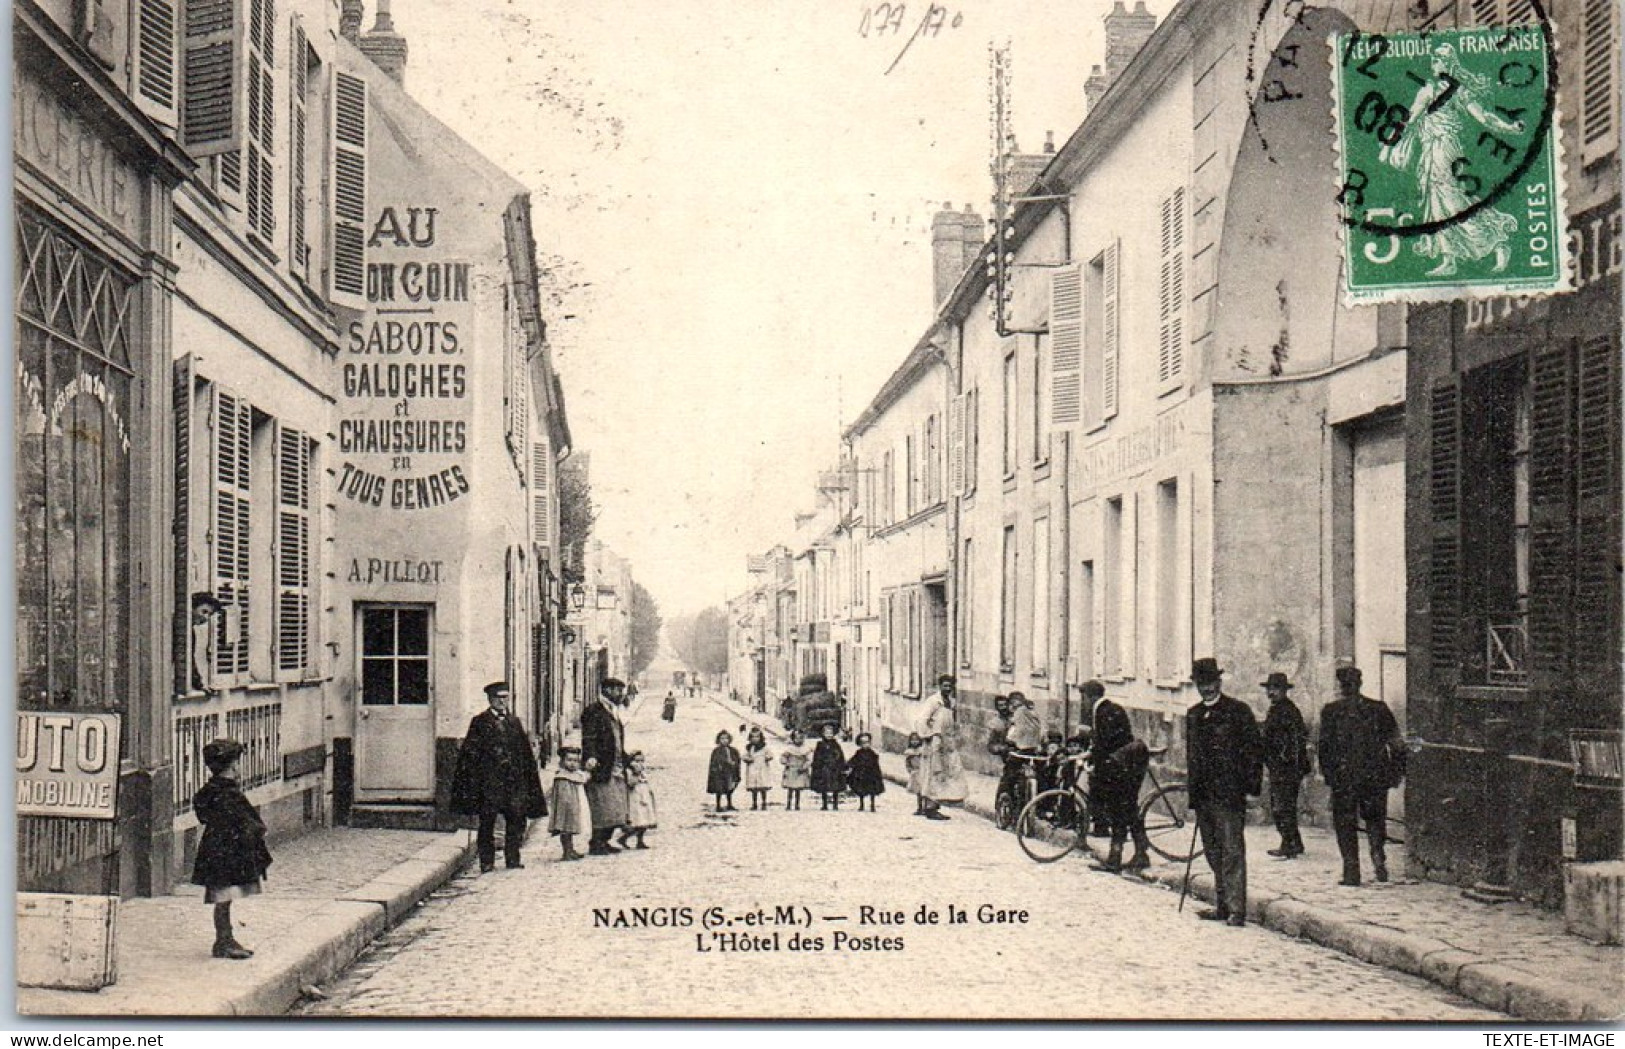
pixel 733 203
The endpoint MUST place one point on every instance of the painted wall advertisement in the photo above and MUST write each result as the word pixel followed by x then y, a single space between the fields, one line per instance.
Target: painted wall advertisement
pixel 67 764
pixel 404 382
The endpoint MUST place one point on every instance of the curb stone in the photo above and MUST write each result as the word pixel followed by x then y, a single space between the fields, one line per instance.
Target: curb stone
pixel 1485 980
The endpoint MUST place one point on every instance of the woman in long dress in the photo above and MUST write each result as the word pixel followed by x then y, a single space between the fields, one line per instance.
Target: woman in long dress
pixel 944 771
pixel 1432 140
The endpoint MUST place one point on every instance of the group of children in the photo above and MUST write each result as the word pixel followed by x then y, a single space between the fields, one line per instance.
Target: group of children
pixel 571 815
pixel 823 767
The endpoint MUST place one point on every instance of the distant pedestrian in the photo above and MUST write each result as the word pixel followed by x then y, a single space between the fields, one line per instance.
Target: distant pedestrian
pixel 863 773
pixel 603 755
pixel 945 774
pixel 1119 761
pixel 668 709
pixel 231 857
pixel 1224 764
pixel 497 775
pixel 797 775
pixel 829 768
pixel 758 767
pixel 722 777
pixel 1286 759
pixel 571 818
pixel 914 755
pixel 640 807
pixel 1362 756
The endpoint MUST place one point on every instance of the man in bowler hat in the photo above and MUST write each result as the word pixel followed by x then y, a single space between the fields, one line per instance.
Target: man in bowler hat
pixel 603 755
pixel 497 775
pixel 1224 757
pixel 1286 756
pixel 1361 755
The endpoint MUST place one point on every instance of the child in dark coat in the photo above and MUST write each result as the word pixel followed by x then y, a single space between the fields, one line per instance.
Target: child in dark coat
pixel 863 773
pixel 232 857
pixel 829 768
pixel 723 776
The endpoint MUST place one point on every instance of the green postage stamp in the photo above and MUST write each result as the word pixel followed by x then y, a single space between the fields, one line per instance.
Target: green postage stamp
pixel 1449 180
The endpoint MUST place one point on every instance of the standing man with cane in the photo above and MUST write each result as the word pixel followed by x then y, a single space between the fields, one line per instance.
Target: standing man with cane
pixel 1224 757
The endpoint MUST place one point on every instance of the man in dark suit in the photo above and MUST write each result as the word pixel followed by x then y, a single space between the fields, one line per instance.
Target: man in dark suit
pixel 1119 762
pixel 497 775
pixel 603 754
pixel 1286 756
pixel 1224 757
pixel 1361 755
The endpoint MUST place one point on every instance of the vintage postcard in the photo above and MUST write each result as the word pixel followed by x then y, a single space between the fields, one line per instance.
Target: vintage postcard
pixel 975 511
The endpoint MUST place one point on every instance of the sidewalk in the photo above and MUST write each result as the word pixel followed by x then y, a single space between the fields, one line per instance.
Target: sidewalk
pixel 1513 957
pixel 329 894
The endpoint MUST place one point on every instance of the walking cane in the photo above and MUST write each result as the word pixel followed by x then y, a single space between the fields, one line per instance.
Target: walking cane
pixel 1190 857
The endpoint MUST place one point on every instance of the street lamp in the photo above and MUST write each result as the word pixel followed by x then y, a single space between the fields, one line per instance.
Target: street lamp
pixel 578 597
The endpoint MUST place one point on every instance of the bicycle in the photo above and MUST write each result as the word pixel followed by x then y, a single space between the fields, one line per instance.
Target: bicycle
pixel 1056 821
pixel 1162 813
pixel 1007 805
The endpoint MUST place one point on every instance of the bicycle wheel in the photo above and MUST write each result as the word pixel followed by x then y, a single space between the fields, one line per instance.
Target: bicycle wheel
pixel 1004 810
pixel 1052 825
pixel 1166 825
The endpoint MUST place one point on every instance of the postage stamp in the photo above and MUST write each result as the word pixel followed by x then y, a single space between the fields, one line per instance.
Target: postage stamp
pixel 1449 180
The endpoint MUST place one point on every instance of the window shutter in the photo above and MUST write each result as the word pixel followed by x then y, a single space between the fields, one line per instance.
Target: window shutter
pixel 1109 325
pixel 155 71
pixel 1444 565
pixel 211 114
pixel 349 268
pixel 181 626
pixel 1551 539
pixel 540 494
pixel 293 549
pixel 1066 346
pixel 298 86
pixel 1597 597
pixel 260 189
pixel 233 439
pixel 1599 81
pixel 956 444
pixel 1171 290
pixel 973 436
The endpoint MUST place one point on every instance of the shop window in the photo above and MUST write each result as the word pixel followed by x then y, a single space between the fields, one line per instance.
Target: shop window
pixel 1495 518
pixel 75 315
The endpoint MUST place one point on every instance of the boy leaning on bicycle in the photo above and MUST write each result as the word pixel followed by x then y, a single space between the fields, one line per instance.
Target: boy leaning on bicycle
pixel 1018 737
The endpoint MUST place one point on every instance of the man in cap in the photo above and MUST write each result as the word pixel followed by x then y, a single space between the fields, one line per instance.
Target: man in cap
pixel 1119 762
pixel 1286 757
pixel 1224 759
pixel 603 752
pixel 497 776
pixel 1361 756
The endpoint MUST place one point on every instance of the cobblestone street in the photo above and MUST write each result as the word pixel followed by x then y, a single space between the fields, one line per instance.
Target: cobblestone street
pixel 1038 942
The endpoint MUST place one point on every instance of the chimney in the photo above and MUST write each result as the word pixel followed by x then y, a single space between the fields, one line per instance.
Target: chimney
pixel 1095 87
pixel 974 231
pixel 385 47
pixel 1025 168
pixel 350 20
pixel 1126 33
pixel 947 252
